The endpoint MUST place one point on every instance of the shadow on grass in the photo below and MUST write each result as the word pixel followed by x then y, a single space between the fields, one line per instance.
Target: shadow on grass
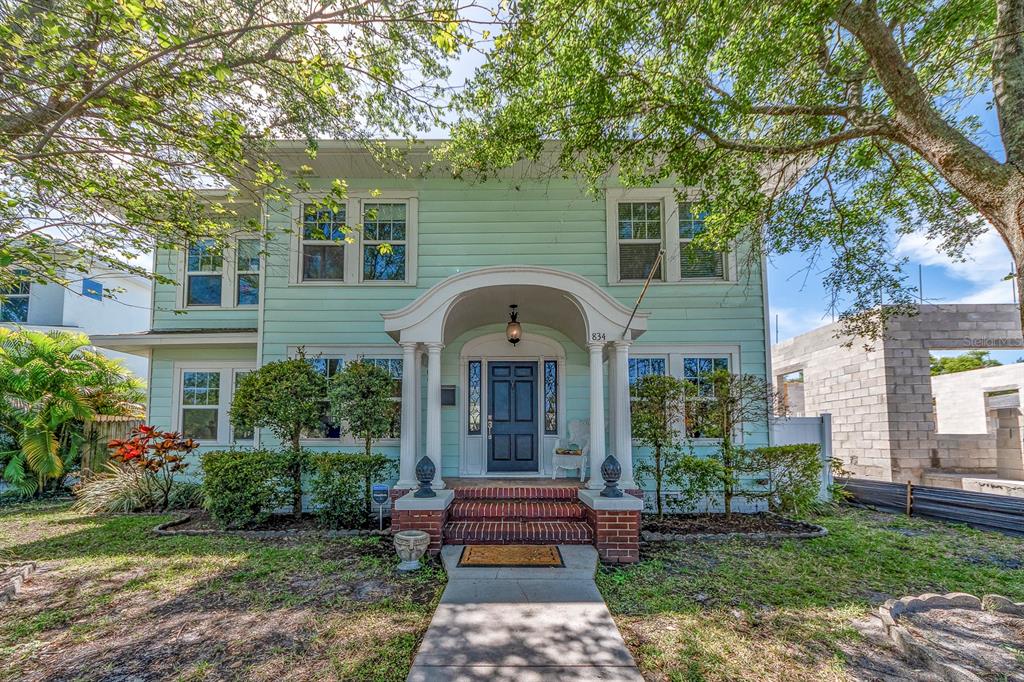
pixel 117 601
pixel 866 558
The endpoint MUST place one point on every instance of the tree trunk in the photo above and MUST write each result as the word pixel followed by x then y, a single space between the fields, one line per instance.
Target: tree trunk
pixel 296 467
pixel 657 481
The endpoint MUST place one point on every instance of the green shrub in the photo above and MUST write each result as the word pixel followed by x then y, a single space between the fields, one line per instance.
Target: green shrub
pixel 243 487
pixel 788 477
pixel 116 490
pixel 698 479
pixel 341 486
pixel 186 495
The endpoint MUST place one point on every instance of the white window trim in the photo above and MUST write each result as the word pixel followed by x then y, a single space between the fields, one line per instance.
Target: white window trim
pixel 674 356
pixel 228 280
pixel 349 354
pixel 670 266
pixel 354 249
pixel 227 371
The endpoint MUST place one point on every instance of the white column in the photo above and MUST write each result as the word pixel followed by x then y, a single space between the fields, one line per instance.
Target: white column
pixel 622 426
pixel 410 387
pixel 434 409
pixel 597 451
pixel 418 449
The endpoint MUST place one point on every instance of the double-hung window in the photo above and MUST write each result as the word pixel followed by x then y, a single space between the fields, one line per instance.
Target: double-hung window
pixel 323 243
pixel 385 231
pixel 394 368
pixel 204 273
pixel 698 371
pixel 639 239
pixel 645 222
pixel 640 367
pixel 247 272
pixel 221 274
pixel 200 404
pixel 14 299
pixel 203 395
pixel 696 262
pixel 329 428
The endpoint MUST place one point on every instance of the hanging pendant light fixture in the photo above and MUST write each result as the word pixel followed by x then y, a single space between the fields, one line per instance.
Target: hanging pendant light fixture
pixel 514 330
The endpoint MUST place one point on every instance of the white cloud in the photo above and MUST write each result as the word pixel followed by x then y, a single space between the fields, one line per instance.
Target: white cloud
pixel 985 264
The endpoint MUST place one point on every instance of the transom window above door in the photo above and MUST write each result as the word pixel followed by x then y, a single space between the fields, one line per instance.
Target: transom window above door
pixel 369 239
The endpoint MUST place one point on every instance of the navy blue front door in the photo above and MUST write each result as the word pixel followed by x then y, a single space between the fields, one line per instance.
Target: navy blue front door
pixel 512 422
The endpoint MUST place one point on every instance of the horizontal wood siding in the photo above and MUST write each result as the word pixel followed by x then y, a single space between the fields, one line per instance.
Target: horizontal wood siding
pixel 463 226
pixel 167 314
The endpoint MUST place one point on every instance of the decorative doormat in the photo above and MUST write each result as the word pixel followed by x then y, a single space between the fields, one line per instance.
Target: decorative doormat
pixel 493 556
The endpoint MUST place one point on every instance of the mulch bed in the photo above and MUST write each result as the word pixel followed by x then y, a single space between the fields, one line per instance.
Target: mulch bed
pixel 716 526
pixel 199 522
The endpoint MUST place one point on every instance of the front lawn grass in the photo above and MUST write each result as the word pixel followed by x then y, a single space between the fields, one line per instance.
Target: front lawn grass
pixel 112 600
pixel 784 611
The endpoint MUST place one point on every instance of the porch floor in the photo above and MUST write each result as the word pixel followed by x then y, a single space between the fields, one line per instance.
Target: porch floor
pixel 457 483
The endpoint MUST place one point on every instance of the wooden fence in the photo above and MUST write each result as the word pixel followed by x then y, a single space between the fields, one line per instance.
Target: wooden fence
pixel 99 432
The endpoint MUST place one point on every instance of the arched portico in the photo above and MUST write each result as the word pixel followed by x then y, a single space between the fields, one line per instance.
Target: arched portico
pixel 553 298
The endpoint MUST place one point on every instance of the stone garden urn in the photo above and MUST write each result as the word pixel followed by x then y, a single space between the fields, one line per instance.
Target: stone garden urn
pixel 411 546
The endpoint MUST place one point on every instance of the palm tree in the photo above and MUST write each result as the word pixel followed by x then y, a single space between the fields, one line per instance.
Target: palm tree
pixel 50 383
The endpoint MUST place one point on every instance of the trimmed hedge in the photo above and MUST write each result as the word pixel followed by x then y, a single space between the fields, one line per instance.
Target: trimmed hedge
pixel 243 487
pixel 341 486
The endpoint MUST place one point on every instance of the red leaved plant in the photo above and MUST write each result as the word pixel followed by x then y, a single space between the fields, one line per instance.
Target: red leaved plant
pixel 156 457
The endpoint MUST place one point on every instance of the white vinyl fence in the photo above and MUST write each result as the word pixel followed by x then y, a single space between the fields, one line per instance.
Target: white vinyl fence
pixel 818 430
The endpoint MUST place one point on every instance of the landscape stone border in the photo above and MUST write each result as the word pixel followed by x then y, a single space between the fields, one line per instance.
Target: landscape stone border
pixel 167 530
pixel 13 584
pixel 651 536
pixel 919 652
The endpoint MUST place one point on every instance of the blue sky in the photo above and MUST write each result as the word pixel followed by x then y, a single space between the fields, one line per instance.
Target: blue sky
pixel 799 302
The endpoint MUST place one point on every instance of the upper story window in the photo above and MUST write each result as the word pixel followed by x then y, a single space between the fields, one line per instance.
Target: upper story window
pixel 204 273
pixel 696 262
pixel 376 246
pixel 14 300
pixel 640 239
pixel 323 244
pixel 641 223
pixel 218 275
pixel 385 228
pixel 247 272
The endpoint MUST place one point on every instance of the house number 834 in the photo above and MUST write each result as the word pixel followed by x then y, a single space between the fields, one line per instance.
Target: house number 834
pixel 597 336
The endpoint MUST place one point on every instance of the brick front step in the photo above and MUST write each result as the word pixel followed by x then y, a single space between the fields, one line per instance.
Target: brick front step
pixel 516 510
pixel 517 493
pixel 517 532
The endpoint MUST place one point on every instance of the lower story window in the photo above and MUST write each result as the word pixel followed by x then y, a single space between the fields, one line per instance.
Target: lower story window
pixel 394 367
pixel 700 423
pixel 205 401
pixel 200 405
pixel 329 427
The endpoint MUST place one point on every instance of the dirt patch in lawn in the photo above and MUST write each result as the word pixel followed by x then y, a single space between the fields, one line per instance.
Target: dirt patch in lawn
pixel 715 524
pixel 200 519
pixel 112 601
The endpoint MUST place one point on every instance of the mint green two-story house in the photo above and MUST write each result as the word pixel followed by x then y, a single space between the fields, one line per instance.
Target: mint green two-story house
pixel 434 311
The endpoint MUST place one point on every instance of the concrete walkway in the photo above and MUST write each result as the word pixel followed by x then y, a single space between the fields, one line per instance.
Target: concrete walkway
pixel 523 624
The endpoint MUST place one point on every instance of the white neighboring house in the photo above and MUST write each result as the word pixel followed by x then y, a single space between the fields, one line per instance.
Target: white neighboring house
pixel 82 306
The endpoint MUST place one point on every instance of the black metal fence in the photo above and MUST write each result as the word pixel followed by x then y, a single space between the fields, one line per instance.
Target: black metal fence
pixel 980 510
